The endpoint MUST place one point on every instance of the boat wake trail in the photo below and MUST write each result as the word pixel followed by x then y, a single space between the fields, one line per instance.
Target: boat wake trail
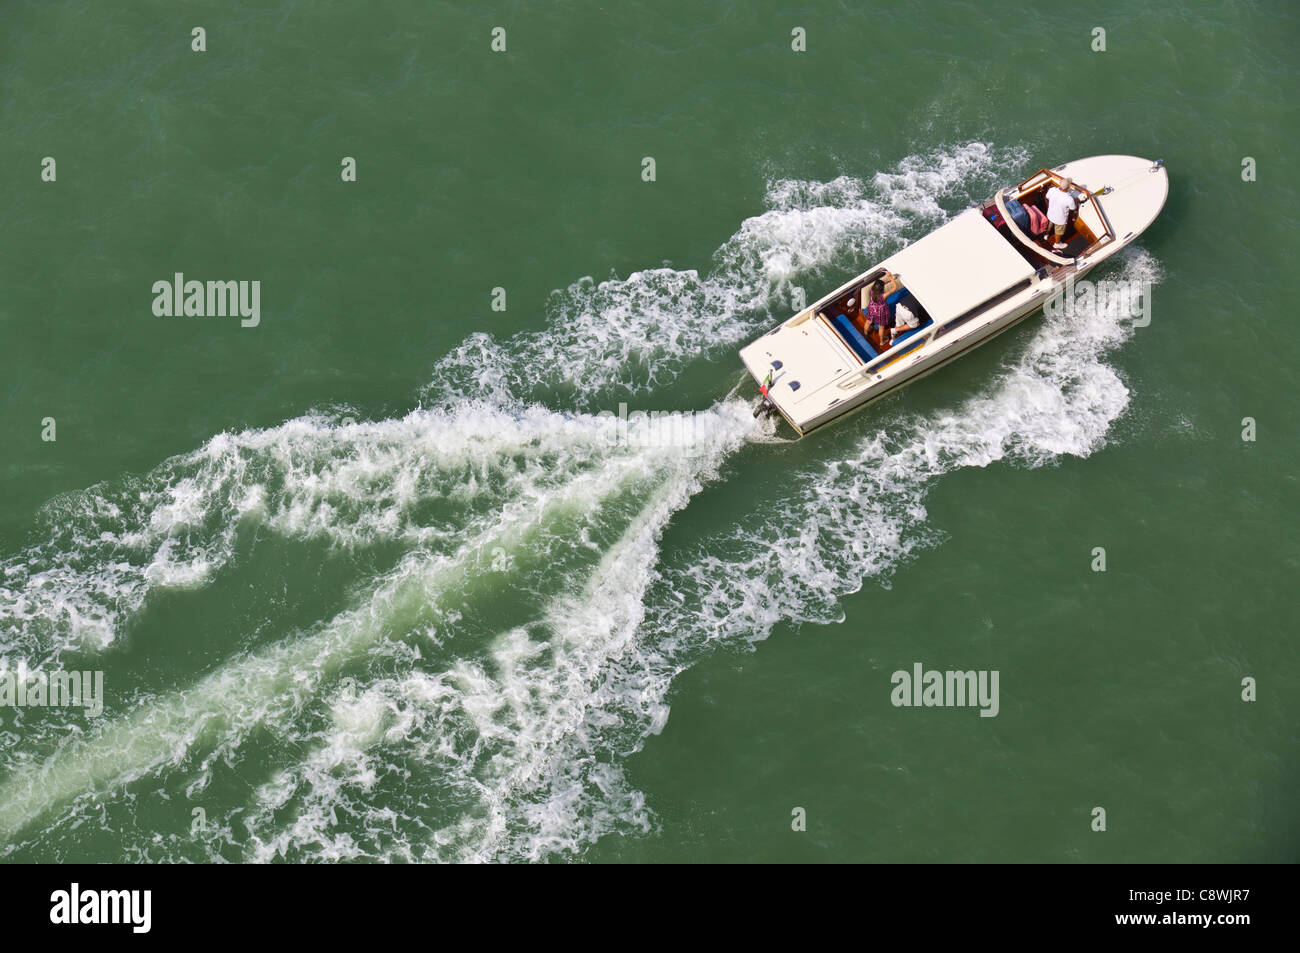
pixel 480 693
pixel 552 536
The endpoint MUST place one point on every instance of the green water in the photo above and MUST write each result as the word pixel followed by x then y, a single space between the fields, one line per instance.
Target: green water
pixel 368 581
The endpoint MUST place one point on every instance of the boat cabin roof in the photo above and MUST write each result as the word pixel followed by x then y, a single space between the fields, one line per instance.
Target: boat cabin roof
pixel 959 266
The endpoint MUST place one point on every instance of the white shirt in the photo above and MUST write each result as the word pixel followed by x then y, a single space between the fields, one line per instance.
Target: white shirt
pixel 1059 206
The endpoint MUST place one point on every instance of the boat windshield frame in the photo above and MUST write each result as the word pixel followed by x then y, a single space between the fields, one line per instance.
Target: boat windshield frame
pixel 1036 180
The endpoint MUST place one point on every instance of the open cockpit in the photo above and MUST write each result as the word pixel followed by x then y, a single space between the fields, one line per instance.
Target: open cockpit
pixel 846 315
pixel 1020 216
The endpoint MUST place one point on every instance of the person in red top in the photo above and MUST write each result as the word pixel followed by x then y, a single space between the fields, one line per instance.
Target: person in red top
pixel 877 313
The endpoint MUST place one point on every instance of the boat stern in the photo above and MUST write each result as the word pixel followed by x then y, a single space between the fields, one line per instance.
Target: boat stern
pixel 803 358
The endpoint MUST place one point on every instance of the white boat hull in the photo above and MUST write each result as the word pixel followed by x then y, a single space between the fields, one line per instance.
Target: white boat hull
pixel 818 376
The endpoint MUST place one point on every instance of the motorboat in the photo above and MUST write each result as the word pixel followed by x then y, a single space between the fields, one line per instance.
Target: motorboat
pixel 983 272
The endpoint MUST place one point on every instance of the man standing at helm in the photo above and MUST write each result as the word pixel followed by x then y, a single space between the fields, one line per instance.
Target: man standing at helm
pixel 1060 203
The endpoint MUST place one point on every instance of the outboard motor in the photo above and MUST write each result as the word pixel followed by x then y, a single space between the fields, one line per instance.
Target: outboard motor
pixel 765 405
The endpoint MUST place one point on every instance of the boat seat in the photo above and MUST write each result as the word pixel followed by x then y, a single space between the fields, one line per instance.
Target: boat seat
pixel 1018 215
pixel 854 338
pixel 907 334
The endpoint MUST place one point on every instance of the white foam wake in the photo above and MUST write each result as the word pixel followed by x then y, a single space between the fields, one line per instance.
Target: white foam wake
pixel 552 523
pixel 423 480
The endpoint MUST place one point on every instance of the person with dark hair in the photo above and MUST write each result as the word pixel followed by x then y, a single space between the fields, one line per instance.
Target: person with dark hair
pixel 877 314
